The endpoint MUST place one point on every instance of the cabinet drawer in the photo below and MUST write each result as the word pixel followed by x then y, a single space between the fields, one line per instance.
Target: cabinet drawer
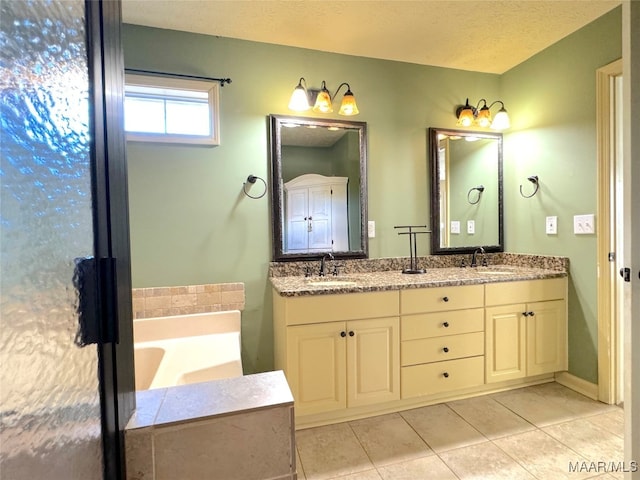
pixel 349 306
pixel 419 300
pixel 428 325
pixel 438 377
pixel 438 349
pixel 527 291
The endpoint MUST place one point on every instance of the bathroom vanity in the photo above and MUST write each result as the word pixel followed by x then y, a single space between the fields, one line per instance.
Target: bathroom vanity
pixel 369 343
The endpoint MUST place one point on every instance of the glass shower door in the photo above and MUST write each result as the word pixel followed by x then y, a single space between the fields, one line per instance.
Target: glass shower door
pixel 49 385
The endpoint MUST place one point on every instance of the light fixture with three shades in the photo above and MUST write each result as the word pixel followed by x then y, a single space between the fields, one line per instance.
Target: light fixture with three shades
pixel 302 98
pixel 470 116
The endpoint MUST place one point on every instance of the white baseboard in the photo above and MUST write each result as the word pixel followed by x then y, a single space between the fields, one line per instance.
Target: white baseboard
pixel 577 384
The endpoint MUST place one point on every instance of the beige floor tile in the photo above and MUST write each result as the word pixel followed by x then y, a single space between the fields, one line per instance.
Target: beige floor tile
pixel 389 439
pixel 331 451
pixel 484 461
pixel 573 401
pixel 542 455
pixel 442 428
pixel 425 468
pixel 612 421
pixel 489 417
pixel 368 475
pixel 533 407
pixel 587 439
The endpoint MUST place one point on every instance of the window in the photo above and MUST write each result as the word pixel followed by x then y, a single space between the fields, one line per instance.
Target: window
pixel 171 110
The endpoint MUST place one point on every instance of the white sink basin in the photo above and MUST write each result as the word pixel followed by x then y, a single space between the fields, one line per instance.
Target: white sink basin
pixel 331 283
pixel 494 272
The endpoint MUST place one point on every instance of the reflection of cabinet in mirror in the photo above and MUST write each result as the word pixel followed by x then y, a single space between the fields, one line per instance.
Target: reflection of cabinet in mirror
pixel 316 214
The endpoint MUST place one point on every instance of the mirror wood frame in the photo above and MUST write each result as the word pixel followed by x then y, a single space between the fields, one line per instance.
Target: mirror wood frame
pixel 436 248
pixel 277 187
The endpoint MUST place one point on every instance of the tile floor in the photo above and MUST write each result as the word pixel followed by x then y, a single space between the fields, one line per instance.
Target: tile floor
pixel 528 433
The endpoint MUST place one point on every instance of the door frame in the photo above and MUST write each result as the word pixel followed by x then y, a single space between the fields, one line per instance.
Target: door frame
pixel 111 226
pixel 608 323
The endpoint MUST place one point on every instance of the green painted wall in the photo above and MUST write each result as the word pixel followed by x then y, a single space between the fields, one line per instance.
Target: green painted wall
pixel 551 100
pixel 191 223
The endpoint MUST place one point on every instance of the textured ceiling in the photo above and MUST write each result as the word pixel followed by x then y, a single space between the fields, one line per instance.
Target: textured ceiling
pixel 483 36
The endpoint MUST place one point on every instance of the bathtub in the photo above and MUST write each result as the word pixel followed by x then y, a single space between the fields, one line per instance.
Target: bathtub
pixel 185 349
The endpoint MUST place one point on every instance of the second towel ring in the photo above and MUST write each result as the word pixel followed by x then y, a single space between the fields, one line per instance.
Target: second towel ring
pixel 533 179
pixel 252 179
pixel 480 189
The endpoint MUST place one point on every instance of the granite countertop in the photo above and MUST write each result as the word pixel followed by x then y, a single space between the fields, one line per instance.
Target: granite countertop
pixel 295 286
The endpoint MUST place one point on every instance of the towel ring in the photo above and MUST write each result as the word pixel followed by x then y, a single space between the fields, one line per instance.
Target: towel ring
pixel 480 189
pixel 252 179
pixel 533 179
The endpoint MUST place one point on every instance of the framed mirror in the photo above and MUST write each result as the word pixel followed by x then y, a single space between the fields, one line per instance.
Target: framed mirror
pixel 319 188
pixel 466 191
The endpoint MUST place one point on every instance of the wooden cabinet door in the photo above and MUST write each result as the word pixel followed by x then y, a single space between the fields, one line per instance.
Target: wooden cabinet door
pixel 316 367
pixel 320 216
pixel 546 337
pixel 373 361
pixel 505 339
pixel 297 211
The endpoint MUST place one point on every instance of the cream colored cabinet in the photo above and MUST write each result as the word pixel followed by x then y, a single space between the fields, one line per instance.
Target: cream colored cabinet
pixel 334 351
pixel 442 339
pixel 529 337
pixel 343 364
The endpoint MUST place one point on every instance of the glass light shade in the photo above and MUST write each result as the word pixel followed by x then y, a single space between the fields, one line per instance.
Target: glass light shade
pixel 484 117
pixel 466 118
pixel 299 101
pixel 323 102
pixel 348 106
pixel 501 120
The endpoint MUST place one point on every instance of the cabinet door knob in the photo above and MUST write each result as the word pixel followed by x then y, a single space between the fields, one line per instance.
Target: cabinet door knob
pixel 445 374
pixel 445 349
pixel 343 334
pixel 531 314
pixel 445 324
pixel 445 299
pixel 526 314
pixel 351 333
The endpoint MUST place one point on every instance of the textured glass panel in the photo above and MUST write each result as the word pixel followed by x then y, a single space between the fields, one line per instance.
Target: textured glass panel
pixel 49 402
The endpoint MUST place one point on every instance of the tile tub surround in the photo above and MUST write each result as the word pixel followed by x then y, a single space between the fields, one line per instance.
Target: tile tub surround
pixel 188 299
pixel 294 286
pixel 348 266
pixel 228 429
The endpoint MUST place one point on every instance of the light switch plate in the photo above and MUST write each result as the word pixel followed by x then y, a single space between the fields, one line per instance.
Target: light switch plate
pixel 471 227
pixel 455 226
pixel 552 225
pixel 371 227
pixel 584 224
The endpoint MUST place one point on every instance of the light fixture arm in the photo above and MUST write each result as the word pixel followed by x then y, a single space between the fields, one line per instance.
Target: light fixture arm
pixel 497 101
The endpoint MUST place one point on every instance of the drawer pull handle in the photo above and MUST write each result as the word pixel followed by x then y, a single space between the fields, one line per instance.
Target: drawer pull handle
pixel 445 299
pixel 445 349
pixel 445 374
pixel 445 324
pixel 343 334
pixel 351 333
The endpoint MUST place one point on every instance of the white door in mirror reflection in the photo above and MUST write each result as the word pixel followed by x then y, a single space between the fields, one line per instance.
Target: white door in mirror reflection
pixel 316 214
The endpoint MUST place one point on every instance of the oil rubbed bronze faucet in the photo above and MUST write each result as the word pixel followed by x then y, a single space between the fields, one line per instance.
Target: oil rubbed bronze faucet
pixel 474 260
pixel 323 270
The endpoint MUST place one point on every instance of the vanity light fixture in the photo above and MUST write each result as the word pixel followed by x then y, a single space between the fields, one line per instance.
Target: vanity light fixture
pixel 302 98
pixel 470 116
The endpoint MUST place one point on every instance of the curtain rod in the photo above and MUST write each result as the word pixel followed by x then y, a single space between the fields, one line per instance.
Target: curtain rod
pixel 178 75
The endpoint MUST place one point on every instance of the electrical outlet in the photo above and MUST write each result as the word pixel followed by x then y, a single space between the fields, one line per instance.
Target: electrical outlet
pixel 584 224
pixel 455 226
pixel 471 227
pixel 371 227
pixel 552 225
